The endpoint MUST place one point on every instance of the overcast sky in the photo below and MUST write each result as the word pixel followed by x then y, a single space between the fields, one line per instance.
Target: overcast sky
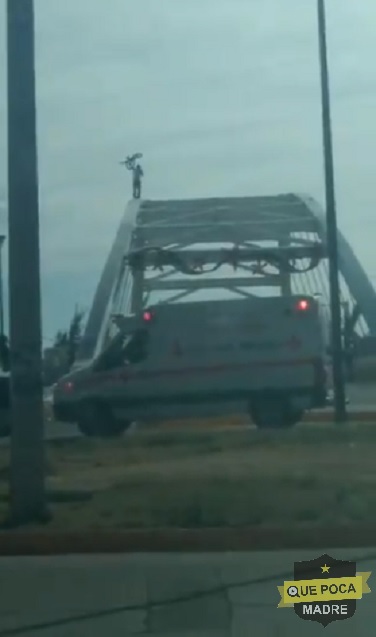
pixel 222 96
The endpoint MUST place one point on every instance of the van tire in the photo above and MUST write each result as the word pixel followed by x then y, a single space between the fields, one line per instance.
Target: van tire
pixel 274 412
pixel 96 420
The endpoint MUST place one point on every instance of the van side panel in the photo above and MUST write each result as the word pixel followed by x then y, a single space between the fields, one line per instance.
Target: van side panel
pixel 227 347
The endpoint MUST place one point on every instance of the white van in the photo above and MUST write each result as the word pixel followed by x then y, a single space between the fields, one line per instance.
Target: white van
pixel 264 356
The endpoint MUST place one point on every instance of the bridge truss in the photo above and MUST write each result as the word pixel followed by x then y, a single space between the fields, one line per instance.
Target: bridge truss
pixel 166 251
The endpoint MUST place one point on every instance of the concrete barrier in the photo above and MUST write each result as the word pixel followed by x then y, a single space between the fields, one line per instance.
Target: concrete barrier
pixel 21 543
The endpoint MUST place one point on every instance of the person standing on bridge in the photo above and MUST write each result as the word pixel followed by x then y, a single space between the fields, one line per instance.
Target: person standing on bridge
pixel 134 167
pixel 138 174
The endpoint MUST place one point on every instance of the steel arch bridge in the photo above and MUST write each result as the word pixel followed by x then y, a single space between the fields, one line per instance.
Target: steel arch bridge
pixel 238 245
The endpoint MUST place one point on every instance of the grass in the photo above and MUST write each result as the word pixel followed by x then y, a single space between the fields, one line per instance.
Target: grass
pixel 312 475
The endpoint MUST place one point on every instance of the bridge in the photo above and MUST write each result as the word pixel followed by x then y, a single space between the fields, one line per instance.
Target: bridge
pixel 165 251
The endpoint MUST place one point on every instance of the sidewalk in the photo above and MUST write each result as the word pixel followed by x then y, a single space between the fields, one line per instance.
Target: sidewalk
pixel 197 595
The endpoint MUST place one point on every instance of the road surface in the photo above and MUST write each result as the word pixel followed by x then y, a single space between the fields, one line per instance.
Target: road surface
pixel 196 595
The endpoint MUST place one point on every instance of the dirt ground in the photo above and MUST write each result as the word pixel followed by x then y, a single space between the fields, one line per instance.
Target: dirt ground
pixel 313 475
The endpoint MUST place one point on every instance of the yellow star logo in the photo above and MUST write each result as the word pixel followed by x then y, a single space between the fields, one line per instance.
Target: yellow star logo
pixel 325 568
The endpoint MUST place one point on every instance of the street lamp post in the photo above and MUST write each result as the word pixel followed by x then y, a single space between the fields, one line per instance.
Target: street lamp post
pixel 331 225
pixel 27 488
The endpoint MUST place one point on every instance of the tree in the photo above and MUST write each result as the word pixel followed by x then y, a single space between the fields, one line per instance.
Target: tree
pixel 59 358
pixel 74 336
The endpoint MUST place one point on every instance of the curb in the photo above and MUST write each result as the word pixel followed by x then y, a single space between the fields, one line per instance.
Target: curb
pixel 313 417
pixel 184 540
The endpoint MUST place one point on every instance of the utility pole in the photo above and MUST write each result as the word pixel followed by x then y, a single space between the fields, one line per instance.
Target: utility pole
pixel 331 225
pixel 27 488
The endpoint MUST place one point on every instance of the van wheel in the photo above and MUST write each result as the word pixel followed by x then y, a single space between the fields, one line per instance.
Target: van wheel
pixel 275 413
pixel 96 420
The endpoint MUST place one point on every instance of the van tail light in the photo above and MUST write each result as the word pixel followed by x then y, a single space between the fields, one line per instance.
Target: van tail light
pixel 67 387
pixel 302 305
pixel 148 316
